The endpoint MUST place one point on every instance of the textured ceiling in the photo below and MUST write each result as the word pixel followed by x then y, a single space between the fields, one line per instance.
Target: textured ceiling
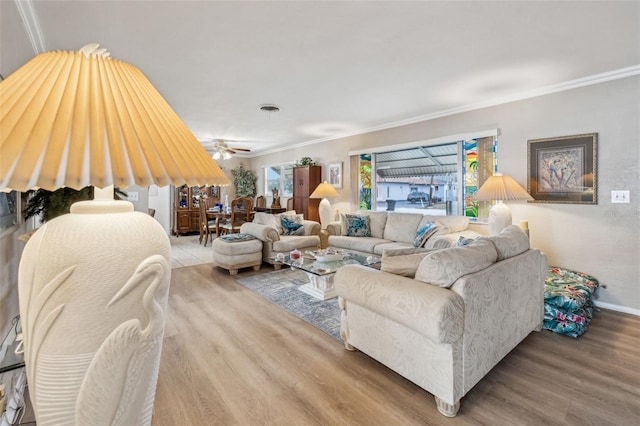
pixel 340 68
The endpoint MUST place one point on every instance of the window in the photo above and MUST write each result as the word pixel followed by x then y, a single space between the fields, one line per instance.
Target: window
pixel 438 178
pixel 279 177
pixel 9 212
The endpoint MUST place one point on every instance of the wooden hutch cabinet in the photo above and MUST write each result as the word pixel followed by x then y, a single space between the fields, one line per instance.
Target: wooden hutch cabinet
pixel 188 207
pixel 305 181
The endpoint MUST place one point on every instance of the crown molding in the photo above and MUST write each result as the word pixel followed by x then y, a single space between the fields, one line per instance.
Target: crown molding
pixel 546 90
pixel 31 25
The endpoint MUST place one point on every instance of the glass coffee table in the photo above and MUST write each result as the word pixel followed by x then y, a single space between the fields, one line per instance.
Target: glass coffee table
pixel 321 273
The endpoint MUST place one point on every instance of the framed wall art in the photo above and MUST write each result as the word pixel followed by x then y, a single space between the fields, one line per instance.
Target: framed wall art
pixel 563 169
pixel 335 174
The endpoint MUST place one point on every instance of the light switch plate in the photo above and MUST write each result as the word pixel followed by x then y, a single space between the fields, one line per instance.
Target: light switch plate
pixel 620 197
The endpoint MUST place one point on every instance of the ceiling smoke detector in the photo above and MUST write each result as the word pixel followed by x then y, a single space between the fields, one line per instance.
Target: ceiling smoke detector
pixel 269 108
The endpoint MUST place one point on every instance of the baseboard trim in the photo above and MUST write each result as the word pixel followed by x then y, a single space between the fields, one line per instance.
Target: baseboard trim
pixel 617 308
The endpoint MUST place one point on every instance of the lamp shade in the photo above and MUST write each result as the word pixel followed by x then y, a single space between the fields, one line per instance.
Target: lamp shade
pixel 502 188
pixel 324 190
pixel 82 118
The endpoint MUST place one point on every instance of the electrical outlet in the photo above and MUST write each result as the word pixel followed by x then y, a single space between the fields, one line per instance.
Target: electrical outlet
pixel 620 197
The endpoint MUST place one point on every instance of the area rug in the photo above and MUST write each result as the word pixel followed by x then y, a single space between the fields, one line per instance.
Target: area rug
pixel 281 288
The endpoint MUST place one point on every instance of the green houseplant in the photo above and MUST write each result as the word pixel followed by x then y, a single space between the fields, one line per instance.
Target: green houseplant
pixel 51 204
pixel 305 161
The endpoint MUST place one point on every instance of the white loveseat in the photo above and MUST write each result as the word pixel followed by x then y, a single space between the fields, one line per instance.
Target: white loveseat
pixel 267 228
pixel 448 325
pixel 395 230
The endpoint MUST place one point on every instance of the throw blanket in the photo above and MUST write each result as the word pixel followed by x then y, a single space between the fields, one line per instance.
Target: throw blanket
pixel 235 238
pixel 567 301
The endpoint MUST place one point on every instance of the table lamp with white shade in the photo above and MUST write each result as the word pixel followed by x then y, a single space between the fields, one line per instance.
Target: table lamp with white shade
pixel 324 190
pixel 93 284
pixel 500 188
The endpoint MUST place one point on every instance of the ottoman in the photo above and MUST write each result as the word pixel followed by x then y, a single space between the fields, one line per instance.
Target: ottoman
pixel 235 252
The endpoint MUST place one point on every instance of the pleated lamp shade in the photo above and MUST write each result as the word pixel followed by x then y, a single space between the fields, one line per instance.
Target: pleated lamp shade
pixel 82 118
pixel 324 190
pixel 500 188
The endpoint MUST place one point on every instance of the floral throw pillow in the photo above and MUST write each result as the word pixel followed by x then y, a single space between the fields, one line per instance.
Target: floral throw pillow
pixel 358 225
pixel 291 225
pixel 423 233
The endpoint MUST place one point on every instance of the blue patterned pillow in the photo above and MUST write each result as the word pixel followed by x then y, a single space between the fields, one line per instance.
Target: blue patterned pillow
pixel 423 234
pixel 291 225
pixel 357 225
pixel 462 241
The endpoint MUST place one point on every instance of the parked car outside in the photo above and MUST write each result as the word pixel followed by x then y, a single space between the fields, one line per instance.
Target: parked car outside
pixel 416 196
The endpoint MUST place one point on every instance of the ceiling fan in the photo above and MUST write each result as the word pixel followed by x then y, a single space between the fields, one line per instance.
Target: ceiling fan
pixel 221 150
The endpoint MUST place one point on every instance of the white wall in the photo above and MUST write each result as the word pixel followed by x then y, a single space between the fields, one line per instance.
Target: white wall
pixel 602 240
pixel 160 199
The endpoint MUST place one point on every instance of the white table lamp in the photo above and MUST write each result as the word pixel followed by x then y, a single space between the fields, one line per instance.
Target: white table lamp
pixel 93 284
pixel 500 188
pixel 324 191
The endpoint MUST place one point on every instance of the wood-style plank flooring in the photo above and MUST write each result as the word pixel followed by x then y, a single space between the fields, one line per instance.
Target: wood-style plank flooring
pixel 233 358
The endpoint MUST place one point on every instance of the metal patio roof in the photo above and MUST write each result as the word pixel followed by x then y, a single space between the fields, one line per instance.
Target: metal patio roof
pixel 440 160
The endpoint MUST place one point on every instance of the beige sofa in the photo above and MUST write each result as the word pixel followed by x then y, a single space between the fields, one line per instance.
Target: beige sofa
pixel 396 230
pixel 448 325
pixel 267 228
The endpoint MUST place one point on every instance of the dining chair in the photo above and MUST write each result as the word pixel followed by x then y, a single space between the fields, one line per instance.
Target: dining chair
pixel 206 226
pixel 290 204
pixel 241 212
pixel 261 201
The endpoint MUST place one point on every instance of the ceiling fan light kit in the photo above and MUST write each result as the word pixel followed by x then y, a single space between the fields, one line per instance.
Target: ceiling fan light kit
pixel 222 151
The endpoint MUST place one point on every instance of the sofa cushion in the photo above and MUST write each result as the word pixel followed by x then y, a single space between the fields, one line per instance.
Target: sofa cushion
pixel 444 267
pixel 449 240
pixel 402 226
pixel 423 233
pixel 454 223
pixel 302 242
pixel 510 242
pixel 357 225
pixel 377 222
pixel 366 245
pixel 291 225
pixel 403 264
pixel 267 219
pixel 379 249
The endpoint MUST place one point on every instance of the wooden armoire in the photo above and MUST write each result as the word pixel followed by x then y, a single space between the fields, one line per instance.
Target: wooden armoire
pixel 305 181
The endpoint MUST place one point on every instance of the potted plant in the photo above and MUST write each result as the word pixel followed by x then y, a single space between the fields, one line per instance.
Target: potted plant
pixel 51 204
pixel 305 161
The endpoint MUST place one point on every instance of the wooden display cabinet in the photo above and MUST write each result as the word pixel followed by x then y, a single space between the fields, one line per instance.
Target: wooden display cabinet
pixel 188 206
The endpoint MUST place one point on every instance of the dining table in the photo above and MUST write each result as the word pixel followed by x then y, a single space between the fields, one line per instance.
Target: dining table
pixel 219 217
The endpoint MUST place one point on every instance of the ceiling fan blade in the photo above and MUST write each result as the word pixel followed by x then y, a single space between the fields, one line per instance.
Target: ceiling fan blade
pixel 241 149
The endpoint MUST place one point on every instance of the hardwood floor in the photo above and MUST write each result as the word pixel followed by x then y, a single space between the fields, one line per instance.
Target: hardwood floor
pixel 232 358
